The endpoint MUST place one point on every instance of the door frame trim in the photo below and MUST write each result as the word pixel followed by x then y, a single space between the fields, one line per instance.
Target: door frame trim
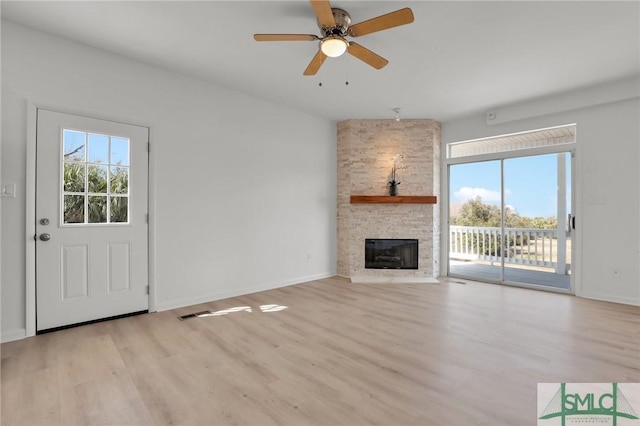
pixel 30 189
pixel 30 216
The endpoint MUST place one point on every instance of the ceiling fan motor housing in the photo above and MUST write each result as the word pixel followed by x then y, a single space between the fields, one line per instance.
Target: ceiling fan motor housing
pixel 343 21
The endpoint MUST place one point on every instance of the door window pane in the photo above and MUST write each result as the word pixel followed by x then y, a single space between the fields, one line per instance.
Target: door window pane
pixel 74 177
pixel 119 180
pixel 119 209
pixel 95 181
pixel 98 149
pixel 74 209
pixel 74 144
pixel 97 209
pixel 536 238
pixel 119 151
pixel 97 176
pixel 475 219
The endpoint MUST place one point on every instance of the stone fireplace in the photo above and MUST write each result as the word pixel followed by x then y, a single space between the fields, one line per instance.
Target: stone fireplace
pixel 366 149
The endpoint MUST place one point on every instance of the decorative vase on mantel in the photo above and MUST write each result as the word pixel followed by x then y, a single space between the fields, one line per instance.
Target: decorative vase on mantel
pixel 393 183
pixel 393 188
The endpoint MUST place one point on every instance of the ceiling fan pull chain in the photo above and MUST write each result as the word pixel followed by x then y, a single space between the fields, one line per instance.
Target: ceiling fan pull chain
pixel 346 77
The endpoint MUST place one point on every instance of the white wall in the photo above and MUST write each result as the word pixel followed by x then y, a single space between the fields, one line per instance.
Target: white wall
pixel 244 189
pixel 607 178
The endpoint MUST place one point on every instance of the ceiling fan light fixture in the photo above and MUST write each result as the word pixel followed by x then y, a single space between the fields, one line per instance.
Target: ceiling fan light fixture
pixel 334 46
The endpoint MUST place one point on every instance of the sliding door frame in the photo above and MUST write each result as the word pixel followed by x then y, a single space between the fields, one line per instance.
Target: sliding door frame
pixel 502 156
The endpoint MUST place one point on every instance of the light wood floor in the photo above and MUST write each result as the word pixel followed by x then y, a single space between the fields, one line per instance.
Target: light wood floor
pixel 339 354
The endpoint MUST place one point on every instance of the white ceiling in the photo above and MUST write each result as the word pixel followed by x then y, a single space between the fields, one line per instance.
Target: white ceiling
pixel 456 59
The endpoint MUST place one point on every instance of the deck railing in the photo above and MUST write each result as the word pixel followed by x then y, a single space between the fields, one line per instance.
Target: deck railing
pixel 522 246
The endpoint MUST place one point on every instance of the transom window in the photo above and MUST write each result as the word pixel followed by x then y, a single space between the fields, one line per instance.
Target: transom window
pixel 542 138
pixel 95 178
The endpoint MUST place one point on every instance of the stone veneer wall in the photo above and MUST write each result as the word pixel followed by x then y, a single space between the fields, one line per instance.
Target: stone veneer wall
pixel 365 158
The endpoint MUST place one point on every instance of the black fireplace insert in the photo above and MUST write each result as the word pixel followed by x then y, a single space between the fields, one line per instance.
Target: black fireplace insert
pixel 381 253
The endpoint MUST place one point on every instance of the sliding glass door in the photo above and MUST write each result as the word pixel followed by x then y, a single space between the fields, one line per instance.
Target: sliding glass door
pixel 537 202
pixel 475 217
pixel 508 220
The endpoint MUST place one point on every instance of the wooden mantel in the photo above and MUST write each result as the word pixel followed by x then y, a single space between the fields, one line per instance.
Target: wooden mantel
pixel 398 199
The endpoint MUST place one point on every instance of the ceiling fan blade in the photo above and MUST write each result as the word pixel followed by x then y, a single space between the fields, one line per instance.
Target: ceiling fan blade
pixel 285 37
pixel 366 55
pixel 322 8
pixel 315 63
pixel 382 22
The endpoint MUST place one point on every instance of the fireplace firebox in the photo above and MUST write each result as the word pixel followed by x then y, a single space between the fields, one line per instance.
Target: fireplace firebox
pixel 384 253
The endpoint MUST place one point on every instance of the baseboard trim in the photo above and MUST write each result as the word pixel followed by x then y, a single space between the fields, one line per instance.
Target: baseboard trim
pixel 608 298
pixel 211 297
pixel 10 336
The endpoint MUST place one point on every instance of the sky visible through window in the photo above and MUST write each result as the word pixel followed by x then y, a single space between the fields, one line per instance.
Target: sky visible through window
pixel 75 146
pixel 531 184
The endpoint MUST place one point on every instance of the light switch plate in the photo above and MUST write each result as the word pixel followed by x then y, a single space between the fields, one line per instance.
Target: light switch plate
pixel 8 191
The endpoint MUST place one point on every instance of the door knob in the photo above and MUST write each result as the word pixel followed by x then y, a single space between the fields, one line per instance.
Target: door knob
pixel 45 237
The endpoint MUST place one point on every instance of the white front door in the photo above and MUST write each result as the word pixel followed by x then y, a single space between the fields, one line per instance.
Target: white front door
pixel 91 219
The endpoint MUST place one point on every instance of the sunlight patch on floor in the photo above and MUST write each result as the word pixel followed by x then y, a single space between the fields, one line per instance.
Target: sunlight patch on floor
pixel 262 308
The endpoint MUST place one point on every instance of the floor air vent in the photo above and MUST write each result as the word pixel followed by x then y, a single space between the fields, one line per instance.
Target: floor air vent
pixel 197 314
